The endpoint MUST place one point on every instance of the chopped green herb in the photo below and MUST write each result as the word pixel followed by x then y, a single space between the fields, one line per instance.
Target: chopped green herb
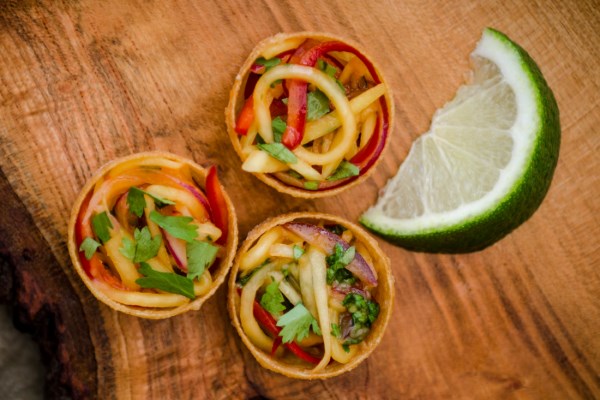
pixel 200 255
pixel 268 64
pixel 335 330
pixel 101 225
pixel 294 174
pixel 346 348
pixel 167 281
pixel 278 126
pixel 144 246
pixel 279 152
pixel 364 313
pixel 242 280
pixel 89 247
pixel 296 324
pixel 337 229
pixel 137 202
pixel 317 105
pixel 326 67
pixel 344 170
pixel 337 263
pixel 178 226
pixel 311 185
pixel 284 101
pixel 298 251
pixel 272 299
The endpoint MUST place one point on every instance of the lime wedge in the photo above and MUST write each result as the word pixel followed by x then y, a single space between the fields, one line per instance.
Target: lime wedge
pixel 485 164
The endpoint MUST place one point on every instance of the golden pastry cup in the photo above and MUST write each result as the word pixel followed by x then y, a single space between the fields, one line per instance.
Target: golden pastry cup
pixel 383 293
pixel 218 272
pixel 236 101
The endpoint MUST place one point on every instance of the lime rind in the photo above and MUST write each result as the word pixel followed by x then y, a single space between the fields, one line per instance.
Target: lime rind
pixel 522 184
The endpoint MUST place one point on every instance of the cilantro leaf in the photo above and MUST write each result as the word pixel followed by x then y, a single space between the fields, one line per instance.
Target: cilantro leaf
pixel 335 330
pixel 317 105
pixel 167 281
pixel 101 225
pixel 127 248
pixel 364 313
pixel 89 247
pixel 296 324
pixel 146 246
pixel 298 251
pixel 337 263
pixel 279 152
pixel 311 185
pixel 278 126
pixel 178 226
pixel 137 202
pixel 143 247
pixel 272 299
pixel 344 170
pixel 200 255
pixel 270 63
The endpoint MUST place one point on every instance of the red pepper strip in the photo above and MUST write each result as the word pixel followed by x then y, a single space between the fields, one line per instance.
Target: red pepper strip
pixel 216 199
pixel 276 344
pixel 292 137
pixel 267 320
pixel 245 118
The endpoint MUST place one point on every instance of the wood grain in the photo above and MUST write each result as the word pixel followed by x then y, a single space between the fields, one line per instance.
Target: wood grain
pixel 83 82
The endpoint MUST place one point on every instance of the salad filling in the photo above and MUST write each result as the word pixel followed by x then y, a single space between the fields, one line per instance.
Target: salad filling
pixel 148 235
pixel 306 293
pixel 314 114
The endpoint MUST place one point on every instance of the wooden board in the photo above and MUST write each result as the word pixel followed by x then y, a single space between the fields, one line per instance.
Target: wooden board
pixel 82 82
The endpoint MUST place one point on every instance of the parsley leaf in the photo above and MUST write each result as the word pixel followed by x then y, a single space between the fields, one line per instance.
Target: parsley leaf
pixel 337 263
pixel 344 170
pixel 298 251
pixel 137 202
pixel 296 324
pixel 101 224
pixel 200 255
pixel 272 299
pixel 311 185
pixel 317 105
pixel 279 152
pixel 89 247
pixel 143 247
pixel 278 126
pixel 270 63
pixel 178 226
pixel 167 281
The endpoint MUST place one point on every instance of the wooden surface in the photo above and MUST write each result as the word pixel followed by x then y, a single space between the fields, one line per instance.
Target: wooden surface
pixel 82 82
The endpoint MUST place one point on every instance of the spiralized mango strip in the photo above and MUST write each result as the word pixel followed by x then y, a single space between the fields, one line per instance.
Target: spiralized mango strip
pixel 260 251
pixel 306 284
pixel 281 47
pixel 319 281
pixel 330 122
pixel 143 299
pixel 249 324
pixel 321 80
